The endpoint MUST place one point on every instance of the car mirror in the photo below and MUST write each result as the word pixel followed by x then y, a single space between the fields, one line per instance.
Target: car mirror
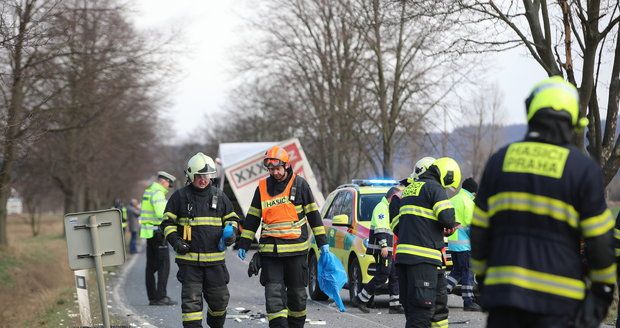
pixel 341 220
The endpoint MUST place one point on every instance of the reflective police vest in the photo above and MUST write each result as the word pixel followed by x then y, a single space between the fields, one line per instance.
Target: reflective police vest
pixel 280 219
pixel 152 209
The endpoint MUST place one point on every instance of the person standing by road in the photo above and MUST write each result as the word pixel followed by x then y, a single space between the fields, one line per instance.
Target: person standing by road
pixel 425 216
pixel 380 245
pixel 540 200
pixel 195 218
pixel 157 254
pixel 460 246
pixel 133 214
pixel 286 204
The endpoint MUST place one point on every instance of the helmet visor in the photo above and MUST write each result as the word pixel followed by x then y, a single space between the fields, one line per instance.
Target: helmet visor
pixel 272 162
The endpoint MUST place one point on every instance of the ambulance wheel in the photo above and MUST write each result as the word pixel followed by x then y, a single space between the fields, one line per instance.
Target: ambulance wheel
pixel 313 282
pixel 355 280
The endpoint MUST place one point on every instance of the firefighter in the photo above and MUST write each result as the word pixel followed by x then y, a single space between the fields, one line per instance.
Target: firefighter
pixel 460 246
pixel 425 216
pixel 195 218
pixel 157 256
pixel 538 200
pixel 420 167
pixel 380 247
pixel 285 203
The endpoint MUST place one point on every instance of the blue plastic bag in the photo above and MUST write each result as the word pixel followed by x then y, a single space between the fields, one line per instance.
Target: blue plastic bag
pixel 226 233
pixel 331 277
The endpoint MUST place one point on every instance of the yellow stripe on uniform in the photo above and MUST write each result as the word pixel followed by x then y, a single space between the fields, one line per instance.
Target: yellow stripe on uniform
pixel 230 215
pixel 597 225
pixel 606 275
pixel 311 207
pixel 169 229
pixel 418 211
pixel 192 316
pixel 297 314
pixel 202 257
pixel 170 215
pixel 440 324
pixel 279 314
pixel 248 234
pixel 318 230
pixel 418 251
pixel 478 266
pixel 480 218
pixel 440 206
pixel 283 248
pixel 537 281
pixel 254 211
pixel 616 233
pixel 536 204
pixel 216 313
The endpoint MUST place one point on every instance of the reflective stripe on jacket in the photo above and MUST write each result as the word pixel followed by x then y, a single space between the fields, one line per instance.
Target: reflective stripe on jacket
pixel 280 219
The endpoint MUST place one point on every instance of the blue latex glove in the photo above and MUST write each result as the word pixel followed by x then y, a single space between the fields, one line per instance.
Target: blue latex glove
pixel 241 253
pixel 226 234
pixel 324 249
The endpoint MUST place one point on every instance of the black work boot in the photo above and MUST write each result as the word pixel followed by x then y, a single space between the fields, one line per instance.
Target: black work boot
pixel 362 306
pixel 396 309
pixel 472 307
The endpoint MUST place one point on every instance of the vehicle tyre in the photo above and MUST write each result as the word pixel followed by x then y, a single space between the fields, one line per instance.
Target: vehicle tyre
pixel 313 282
pixel 355 280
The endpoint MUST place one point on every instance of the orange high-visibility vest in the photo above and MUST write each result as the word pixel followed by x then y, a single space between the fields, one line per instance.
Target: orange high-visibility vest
pixel 280 219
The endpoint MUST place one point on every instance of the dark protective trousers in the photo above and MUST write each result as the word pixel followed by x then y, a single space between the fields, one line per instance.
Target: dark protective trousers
pixel 385 273
pixel 285 280
pixel 157 261
pixel 515 318
pixel 208 282
pixel 423 294
pixel 462 273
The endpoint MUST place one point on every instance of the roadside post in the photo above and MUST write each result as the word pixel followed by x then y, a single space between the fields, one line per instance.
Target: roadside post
pixel 95 240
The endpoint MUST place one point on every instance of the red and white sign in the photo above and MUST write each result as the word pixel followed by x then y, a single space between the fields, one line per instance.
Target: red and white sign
pixel 244 176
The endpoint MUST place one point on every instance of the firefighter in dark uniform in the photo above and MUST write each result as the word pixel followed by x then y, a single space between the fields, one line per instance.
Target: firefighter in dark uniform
pixel 539 200
pixel 285 203
pixel 380 243
pixel 195 217
pixel 425 216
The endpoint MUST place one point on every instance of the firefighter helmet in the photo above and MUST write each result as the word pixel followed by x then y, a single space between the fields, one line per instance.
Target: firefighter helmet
pixel 200 164
pixel 449 172
pixel 421 166
pixel 558 95
pixel 275 156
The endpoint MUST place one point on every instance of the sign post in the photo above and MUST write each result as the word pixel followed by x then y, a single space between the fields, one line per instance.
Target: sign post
pixel 95 240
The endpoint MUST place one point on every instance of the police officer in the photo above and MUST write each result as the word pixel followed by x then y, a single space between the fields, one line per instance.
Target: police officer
pixel 195 217
pixel 538 200
pixel 285 203
pixel 380 245
pixel 460 247
pixel 425 216
pixel 157 256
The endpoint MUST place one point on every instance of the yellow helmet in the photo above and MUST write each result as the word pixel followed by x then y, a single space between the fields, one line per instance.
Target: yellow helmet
pixel 557 94
pixel 200 164
pixel 449 172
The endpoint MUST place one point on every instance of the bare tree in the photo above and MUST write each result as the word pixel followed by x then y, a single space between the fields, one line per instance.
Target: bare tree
pixel 23 35
pixel 575 39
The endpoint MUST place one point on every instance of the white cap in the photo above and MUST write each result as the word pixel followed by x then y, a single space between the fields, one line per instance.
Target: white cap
pixel 166 175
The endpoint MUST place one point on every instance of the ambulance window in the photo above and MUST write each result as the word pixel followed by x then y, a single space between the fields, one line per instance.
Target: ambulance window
pixel 347 204
pixel 334 208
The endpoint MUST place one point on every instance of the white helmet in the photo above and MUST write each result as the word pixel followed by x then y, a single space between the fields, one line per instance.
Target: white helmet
pixel 421 166
pixel 200 164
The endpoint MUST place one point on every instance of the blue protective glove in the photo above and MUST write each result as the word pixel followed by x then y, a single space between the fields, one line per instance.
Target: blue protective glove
pixel 325 249
pixel 227 233
pixel 241 253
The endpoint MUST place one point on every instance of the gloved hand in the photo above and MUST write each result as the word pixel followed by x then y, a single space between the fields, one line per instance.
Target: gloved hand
pixel 325 249
pixel 594 307
pixel 241 253
pixel 181 247
pixel 231 240
pixel 228 234
pixel 255 265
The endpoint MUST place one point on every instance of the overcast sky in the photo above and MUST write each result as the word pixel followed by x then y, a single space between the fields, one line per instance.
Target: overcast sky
pixel 209 31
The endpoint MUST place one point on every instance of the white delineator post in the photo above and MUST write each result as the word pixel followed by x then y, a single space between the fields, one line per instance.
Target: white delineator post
pixel 82 296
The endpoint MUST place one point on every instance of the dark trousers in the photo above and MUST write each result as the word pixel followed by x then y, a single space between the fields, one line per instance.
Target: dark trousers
pixel 385 273
pixel 514 318
pixel 157 261
pixel 418 293
pixel 285 280
pixel 208 282
pixel 133 243
pixel 461 272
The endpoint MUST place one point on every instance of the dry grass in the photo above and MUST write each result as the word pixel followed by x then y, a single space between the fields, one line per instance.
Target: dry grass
pixel 34 273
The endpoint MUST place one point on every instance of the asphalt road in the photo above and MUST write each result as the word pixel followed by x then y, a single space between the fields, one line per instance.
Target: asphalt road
pixel 128 299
